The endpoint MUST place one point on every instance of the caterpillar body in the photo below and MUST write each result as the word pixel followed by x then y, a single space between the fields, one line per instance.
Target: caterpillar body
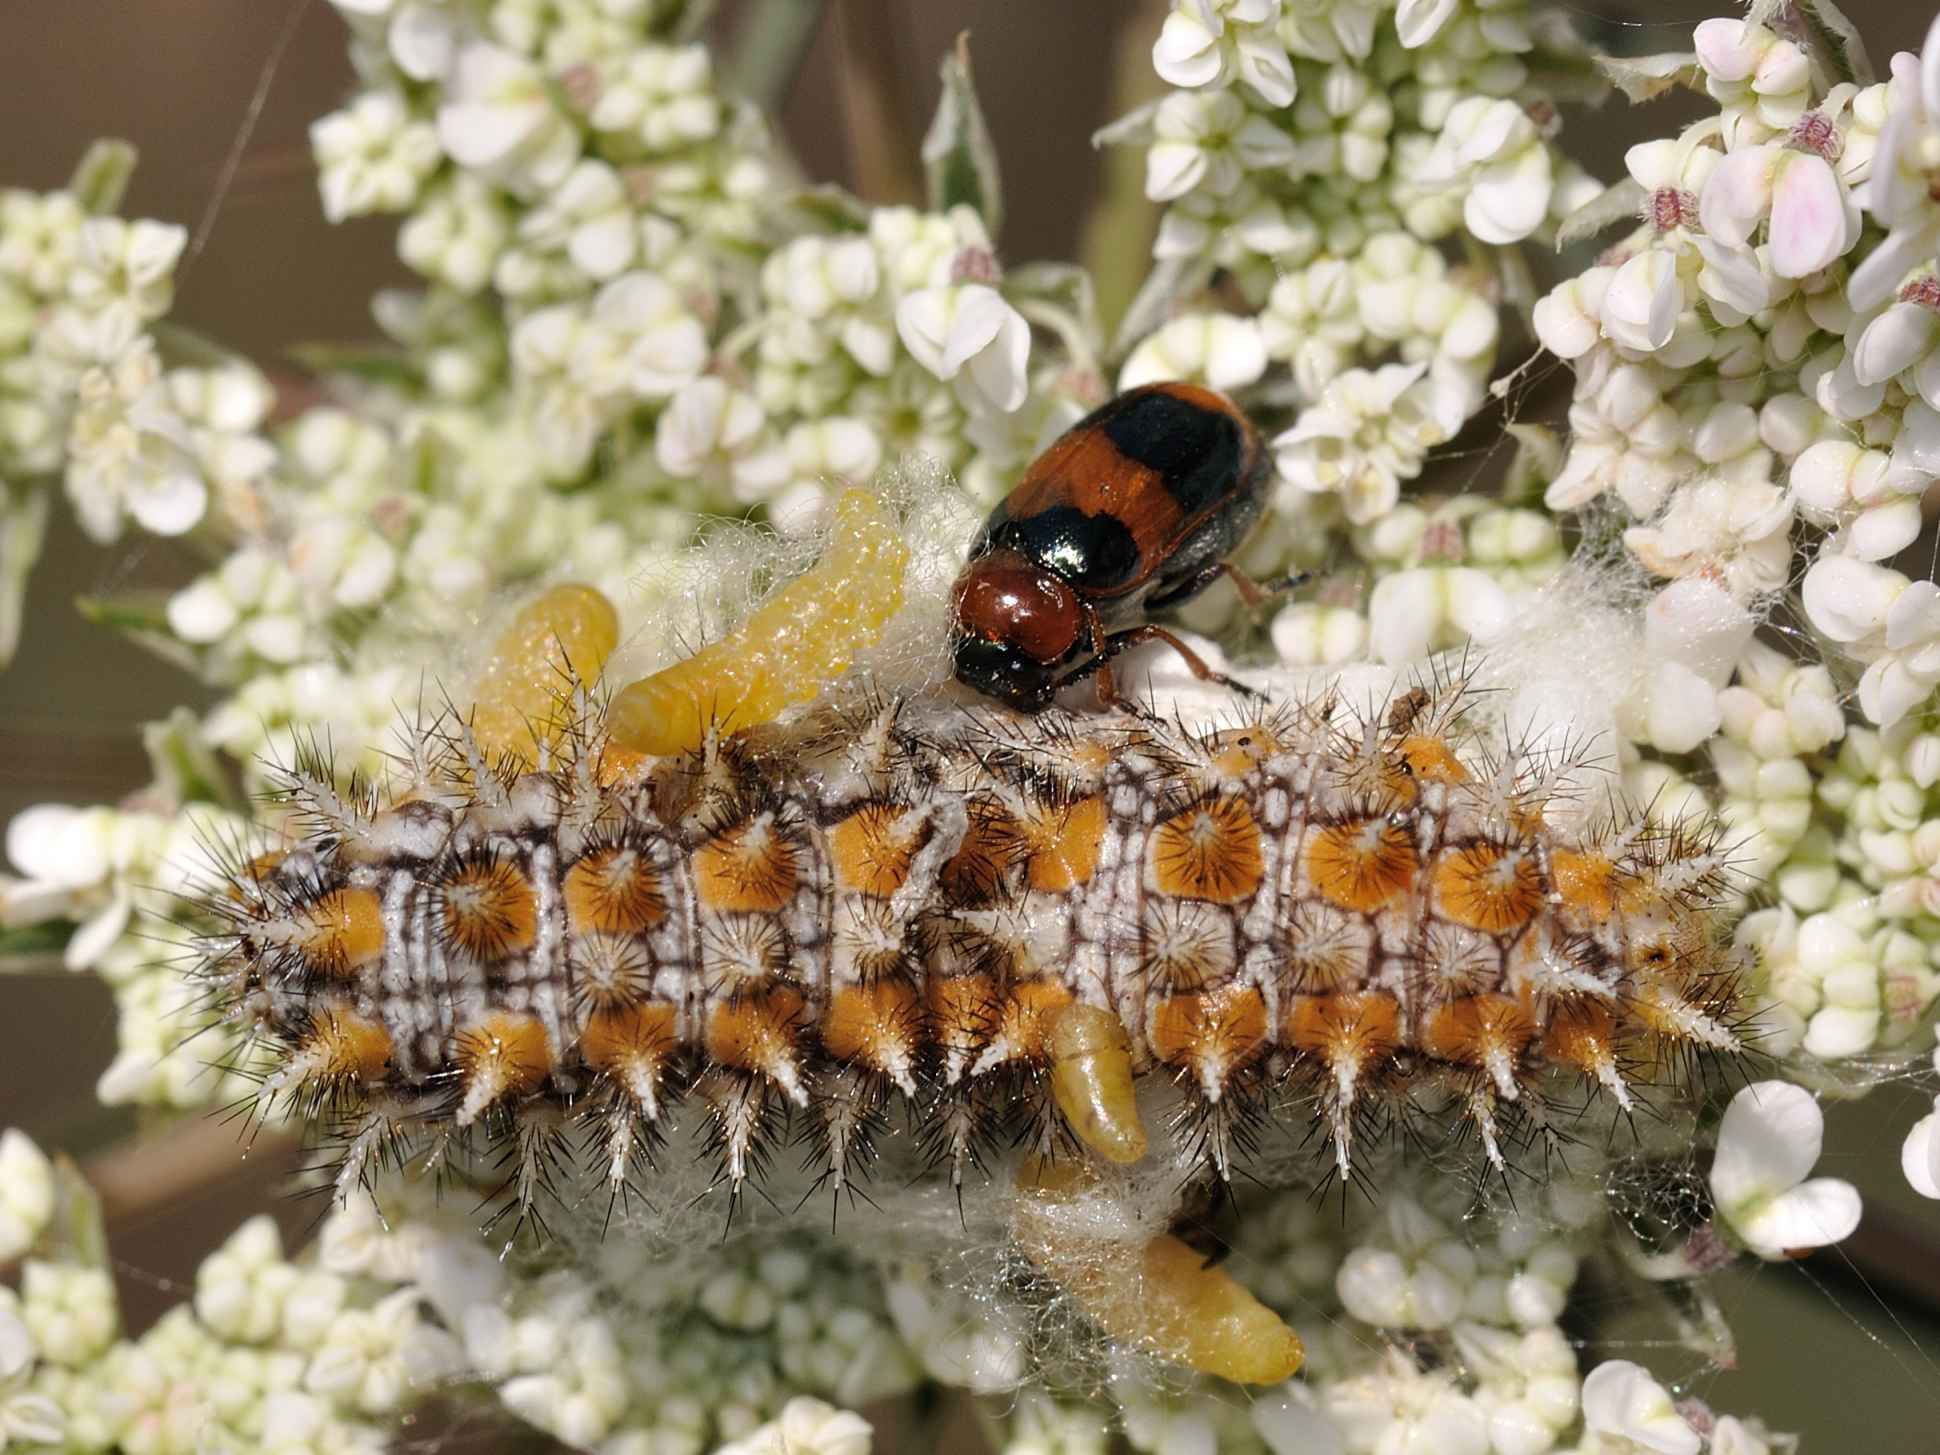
pixel 1307 915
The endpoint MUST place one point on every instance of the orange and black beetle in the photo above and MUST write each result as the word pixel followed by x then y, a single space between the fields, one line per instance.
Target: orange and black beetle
pixel 1136 506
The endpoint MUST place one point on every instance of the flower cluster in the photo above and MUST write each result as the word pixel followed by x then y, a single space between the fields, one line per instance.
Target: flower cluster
pixel 632 313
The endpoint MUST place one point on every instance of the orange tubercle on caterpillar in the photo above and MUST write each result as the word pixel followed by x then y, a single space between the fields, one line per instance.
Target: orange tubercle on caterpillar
pixel 789 649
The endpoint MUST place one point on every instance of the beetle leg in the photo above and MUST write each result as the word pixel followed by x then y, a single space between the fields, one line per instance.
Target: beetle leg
pixel 1255 594
pixel 1252 594
pixel 1196 664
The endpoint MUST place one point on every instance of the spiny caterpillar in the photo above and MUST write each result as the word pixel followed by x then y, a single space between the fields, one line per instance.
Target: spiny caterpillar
pixel 993 919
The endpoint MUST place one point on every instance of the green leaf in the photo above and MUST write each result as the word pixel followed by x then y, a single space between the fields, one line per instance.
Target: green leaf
pixel 1060 297
pixel 77 1233
pixel 684 20
pixel 142 617
pixel 958 156
pixel 1166 281
pixel 371 364
pixel 186 768
pixel 28 949
pixel 1835 36
pixel 185 348
pixel 1537 461
pixel 827 208
pixel 23 531
pixel 770 40
pixel 101 176
pixel 1133 129
pixel 1615 203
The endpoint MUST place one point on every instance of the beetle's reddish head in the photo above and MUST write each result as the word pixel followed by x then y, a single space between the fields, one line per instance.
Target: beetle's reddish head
pixel 1017 626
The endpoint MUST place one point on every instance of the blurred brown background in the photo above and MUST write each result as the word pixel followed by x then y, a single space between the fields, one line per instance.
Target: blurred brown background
pixel 1844 1348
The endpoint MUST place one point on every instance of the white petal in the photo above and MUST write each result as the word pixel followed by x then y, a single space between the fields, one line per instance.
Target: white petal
pixel 1695 622
pixel 923 324
pixel 1900 336
pixel 1768 1141
pixel 1724 49
pixel 1508 199
pixel 1813 1214
pixel 1738 194
pixel 1874 280
pixel 1186 53
pixel 1644 298
pixel 1920 1155
pixel 171 504
pixel 1810 221
pixel 1848 599
pixel 1417 22
pixel 1915 614
pixel 1885 530
pixel 1621 1399
pixel 602 249
pixel 1732 276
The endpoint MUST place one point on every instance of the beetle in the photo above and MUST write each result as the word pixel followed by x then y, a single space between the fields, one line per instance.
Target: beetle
pixel 1134 508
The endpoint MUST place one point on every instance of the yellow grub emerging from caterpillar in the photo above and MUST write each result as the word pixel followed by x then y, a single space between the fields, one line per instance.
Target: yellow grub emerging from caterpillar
pixel 562 636
pixel 1159 1294
pixel 1091 1077
pixel 787 651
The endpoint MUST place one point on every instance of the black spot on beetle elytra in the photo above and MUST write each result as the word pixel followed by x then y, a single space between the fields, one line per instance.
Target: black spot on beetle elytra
pixel 1093 552
pixel 1195 451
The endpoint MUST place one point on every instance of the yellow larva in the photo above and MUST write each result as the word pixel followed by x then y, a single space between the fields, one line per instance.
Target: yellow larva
pixel 1159 1294
pixel 562 636
pixel 789 649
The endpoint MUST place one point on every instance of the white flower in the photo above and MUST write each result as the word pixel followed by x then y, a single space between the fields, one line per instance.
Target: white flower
pixel 372 1359
pixel 1418 611
pixel 807 1427
pixel 1813 218
pixel 240 1288
pixel 1767 1143
pixel 1204 45
pixel 69 1309
pixel 1208 140
pixel 1528 1384
pixel 1898 190
pixel 1694 633
pixel 1398 1407
pixel 26 1191
pixel 957 1342
pixel 499 120
pixel 1737 532
pixel 1920 1154
pixel 712 432
pixel 1764 82
pixel 1621 1400
pixel 1491 151
pixel 1369 431
pixel 1642 300
pixel 1847 599
pixel 1218 349
pixel 1886 619
pixel 967 334
pixel 661 95
pixel 373 156
pixel 129 450
pixel 1308 634
pixel 1837 481
pixel 456 234
pixel 126 264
